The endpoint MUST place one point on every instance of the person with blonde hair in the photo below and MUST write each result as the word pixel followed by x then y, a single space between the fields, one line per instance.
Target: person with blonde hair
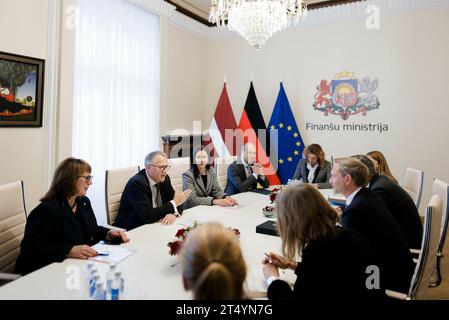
pixel 63 225
pixel 213 267
pixel 333 259
pixel 381 164
pixel 314 168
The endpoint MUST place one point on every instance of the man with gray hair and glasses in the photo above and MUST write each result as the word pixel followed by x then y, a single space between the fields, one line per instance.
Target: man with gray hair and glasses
pixel 149 196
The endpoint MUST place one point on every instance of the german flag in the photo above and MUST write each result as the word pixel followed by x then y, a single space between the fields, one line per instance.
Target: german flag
pixel 251 122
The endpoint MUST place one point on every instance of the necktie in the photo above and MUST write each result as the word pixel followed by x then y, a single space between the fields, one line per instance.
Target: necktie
pixel 249 170
pixel 158 195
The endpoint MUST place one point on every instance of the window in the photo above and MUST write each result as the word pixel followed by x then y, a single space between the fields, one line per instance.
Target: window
pixel 117 85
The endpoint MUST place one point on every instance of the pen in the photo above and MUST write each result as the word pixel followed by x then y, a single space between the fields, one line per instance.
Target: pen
pixel 268 256
pixel 103 254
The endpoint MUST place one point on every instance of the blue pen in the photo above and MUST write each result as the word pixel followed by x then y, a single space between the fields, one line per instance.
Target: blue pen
pixel 103 254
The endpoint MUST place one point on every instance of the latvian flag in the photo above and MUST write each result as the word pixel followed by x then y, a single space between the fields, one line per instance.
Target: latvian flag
pixel 223 121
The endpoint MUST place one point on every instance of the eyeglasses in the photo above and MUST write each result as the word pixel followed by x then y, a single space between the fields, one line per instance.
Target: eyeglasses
pixel 88 178
pixel 161 168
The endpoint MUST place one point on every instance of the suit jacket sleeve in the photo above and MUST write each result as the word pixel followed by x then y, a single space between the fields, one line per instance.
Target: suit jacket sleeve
pixel 216 192
pixel 326 185
pixel 188 182
pixel 142 203
pixel 42 243
pixel 234 178
pixel 280 290
pixel 297 175
pixel 265 183
pixel 101 232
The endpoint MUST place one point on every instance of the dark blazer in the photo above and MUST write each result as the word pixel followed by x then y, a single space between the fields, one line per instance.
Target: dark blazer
pixel 401 206
pixel 136 204
pixel 368 215
pixel 201 194
pixel 331 269
pixel 52 229
pixel 238 182
pixel 322 174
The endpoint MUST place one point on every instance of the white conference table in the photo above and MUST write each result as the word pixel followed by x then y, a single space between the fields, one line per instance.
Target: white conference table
pixel 149 273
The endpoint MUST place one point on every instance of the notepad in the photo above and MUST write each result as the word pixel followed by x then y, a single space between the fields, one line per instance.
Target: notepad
pixel 111 253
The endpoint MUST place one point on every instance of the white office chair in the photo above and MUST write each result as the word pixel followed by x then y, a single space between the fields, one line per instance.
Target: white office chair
pixel 413 184
pixel 12 227
pixel 221 168
pixel 177 167
pixel 115 183
pixel 441 188
pixel 425 265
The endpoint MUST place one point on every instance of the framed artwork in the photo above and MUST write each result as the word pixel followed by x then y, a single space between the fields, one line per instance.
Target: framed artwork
pixel 21 90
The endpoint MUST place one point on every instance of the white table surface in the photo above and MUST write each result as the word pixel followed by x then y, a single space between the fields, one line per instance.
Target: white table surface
pixel 149 273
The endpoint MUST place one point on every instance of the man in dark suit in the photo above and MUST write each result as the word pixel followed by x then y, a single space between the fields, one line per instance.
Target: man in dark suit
pixel 398 202
pixel 149 196
pixel 245 172
pixel 366 213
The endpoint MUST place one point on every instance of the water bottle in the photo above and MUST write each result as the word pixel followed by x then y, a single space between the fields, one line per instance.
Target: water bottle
pixel 110 277
pixel 100 293
pixel 122 281
pixel 115 288
pixel 89 269
pixel 90 280
pixel 95 280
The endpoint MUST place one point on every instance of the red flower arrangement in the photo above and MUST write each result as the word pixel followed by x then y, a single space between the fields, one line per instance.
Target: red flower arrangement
pixel 274 193
pixel 181 234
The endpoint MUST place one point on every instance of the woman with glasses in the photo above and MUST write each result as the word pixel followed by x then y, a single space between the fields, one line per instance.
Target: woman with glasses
pixel 63 225
pixel 203 182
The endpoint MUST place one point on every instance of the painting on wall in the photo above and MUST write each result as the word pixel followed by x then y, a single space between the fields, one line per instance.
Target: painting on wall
pixel 21 90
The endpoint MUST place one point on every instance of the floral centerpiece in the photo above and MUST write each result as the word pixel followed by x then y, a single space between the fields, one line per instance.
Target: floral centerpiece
pixel 274 193
pixel 176 244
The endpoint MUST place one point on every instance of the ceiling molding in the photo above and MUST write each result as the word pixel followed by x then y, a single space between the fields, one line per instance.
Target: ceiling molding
pixel 336 10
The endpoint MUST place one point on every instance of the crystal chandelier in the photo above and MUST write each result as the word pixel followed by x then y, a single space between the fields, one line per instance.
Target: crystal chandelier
pixel 256 20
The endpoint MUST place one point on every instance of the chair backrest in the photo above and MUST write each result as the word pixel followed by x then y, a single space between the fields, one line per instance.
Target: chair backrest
pixel 441 188
pixel 427 258
pixel 12 224
pixel 221 168
pixel 177 167
pixel 413 183
pixel 115 183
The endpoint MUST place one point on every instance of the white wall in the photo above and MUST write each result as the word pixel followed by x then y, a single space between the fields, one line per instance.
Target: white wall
pixel 408 55
pixel 183 78
pixel 24 25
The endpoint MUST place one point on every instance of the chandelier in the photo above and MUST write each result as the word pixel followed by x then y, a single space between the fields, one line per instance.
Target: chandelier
pixel 256 20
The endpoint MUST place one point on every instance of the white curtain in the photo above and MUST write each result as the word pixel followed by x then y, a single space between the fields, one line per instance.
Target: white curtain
pixel 117 81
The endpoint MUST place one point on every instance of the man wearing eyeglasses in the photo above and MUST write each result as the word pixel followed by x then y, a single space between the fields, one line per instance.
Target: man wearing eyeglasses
pixel 149 196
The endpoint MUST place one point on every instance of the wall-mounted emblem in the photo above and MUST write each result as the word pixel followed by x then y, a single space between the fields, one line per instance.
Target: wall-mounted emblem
pixel 346 95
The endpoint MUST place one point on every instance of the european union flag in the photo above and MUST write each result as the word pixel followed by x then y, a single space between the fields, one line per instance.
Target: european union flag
pixel 287 148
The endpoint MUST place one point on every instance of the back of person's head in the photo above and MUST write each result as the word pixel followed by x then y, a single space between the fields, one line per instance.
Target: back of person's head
pixel 368 163
pixel 63 185
pixel 354 168
pixel 383 169
pixel 303 216
pixel 316 150
pixel 213 264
